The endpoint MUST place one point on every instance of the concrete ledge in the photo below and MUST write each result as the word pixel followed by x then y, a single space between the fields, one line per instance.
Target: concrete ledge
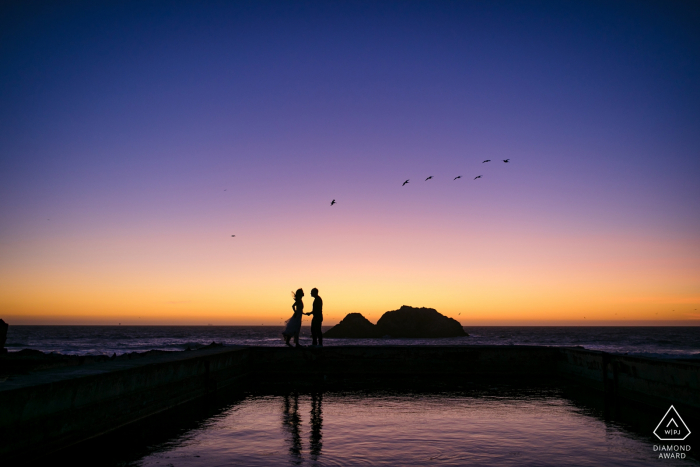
pixel 55 408
pixel 357 362
pixel 652 381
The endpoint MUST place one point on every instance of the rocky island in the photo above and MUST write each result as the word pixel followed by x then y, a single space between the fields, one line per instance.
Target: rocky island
pixel 354 326
pixel 407 321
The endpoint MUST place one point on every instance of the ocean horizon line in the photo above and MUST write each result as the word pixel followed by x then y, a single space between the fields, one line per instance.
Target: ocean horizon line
pixel 693 323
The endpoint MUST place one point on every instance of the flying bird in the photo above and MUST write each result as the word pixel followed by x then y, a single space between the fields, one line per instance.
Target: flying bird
pixel 428 178
pixel 233 235
pixel 478 176
pixel 332 202
pixel 405 182
pixel 506 160
pixel 458 176
pixel 487 160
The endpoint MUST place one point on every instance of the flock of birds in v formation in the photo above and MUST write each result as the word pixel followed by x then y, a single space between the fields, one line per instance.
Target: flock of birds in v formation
pixel 458 176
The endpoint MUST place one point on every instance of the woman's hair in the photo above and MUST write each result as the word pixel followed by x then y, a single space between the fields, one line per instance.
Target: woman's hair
pixel 297 295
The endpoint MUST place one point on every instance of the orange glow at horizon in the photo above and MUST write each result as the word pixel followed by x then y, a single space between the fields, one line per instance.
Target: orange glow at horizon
pixel 483 277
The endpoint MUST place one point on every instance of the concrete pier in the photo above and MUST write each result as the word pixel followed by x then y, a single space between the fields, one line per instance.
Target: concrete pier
pixel 51 409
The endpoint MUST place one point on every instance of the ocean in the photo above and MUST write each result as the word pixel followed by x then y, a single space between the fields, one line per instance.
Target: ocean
pixel 650 341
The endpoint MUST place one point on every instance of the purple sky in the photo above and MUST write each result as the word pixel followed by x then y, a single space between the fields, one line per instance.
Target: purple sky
pixel 124 123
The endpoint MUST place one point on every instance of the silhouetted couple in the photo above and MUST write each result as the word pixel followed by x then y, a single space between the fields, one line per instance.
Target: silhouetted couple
pixel 294 323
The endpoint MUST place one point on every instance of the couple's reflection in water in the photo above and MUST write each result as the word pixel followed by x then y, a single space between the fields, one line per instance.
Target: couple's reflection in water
pixel 291 422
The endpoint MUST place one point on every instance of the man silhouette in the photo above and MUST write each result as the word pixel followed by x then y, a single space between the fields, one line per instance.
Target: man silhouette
pixel 317 311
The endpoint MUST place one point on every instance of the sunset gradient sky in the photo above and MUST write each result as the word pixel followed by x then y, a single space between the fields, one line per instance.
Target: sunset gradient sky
pixel 137 137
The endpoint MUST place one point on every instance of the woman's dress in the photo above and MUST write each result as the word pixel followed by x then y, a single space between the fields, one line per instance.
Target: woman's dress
pixel 294 323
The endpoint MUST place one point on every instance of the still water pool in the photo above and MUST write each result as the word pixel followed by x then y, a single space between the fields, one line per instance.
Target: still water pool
pixel 501 426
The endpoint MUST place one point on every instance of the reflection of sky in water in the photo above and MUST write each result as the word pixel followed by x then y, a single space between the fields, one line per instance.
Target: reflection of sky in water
pixel 649 341
pixel 384 428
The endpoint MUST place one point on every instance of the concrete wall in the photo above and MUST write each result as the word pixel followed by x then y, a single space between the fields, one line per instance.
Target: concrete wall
pixel 55 408
pixel 652 381
pixel 362 362
pixel 50 409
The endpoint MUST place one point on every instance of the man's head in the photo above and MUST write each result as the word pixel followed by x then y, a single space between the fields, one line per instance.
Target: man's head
pixel 314 292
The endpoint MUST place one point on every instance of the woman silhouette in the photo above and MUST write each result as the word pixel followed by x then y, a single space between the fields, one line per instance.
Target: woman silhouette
pixel 294 323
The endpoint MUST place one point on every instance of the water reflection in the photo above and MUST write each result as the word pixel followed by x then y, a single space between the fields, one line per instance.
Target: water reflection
pixel 291 422
pixel 475 424
pixel 316 437
pixel 292 425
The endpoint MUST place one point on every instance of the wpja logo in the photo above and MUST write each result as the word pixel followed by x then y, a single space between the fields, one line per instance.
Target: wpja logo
pixel 672 428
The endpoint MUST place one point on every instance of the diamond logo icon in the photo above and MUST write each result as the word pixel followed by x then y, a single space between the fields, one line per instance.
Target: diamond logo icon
pixel 672 427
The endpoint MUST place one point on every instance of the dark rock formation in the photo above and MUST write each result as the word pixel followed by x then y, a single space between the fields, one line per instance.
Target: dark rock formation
pixel 354 325
pixel 3 335
pixel 404 322
pixel 418 322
